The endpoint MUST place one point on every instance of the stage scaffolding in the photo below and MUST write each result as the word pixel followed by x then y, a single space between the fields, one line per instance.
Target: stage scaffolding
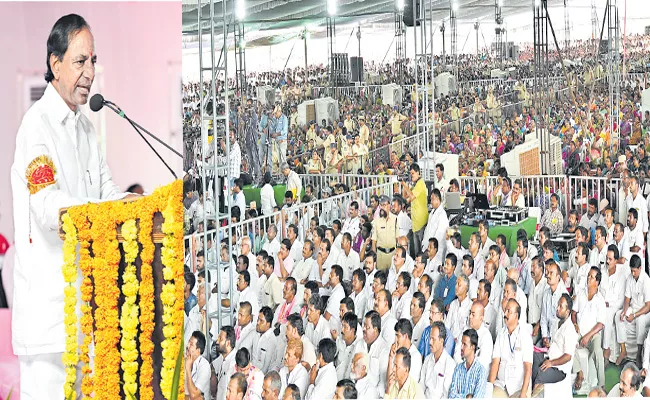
pixel 215 125
pixel 424 84
pixel 541 99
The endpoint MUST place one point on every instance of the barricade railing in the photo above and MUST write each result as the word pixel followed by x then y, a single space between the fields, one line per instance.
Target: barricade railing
pixel 320 181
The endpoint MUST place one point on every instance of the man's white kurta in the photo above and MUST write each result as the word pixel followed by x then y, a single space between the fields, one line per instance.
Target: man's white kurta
pixel 65 141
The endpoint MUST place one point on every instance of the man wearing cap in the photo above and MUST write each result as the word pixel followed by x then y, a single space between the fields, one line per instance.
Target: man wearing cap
pixel 333 160
pixel 384 234
pixel 280 135
pixel 348 155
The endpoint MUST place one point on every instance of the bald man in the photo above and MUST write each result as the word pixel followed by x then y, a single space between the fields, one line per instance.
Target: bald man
pixel 485 344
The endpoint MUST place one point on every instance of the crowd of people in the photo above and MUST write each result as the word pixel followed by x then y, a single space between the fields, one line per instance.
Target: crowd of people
pixel 377 297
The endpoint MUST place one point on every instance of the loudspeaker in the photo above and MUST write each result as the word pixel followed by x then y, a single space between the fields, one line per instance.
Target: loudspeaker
pixel 356 69
pixel 408 12
pixel 603 48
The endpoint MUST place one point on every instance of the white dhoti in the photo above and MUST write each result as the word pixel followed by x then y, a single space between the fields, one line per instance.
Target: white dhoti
pixel 627 332
pixel 42 377
pixel 609 331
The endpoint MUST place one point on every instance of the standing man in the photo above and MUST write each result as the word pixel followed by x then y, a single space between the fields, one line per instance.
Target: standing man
pixel 57 164
pixel 280 135
pixel 384 234
pixel 263 129
pixel 417 196
pixel 441 183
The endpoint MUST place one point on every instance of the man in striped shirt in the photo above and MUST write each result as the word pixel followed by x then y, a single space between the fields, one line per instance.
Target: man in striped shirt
pixel 470 376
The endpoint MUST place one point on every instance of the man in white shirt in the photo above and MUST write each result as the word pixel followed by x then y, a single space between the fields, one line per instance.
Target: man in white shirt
pixel 376 347
pixel 485 342
pixel 589 220
pixel 346 344
pixel 399 265
pixel 224 365
pixel 486 242
pixel 293 372
pixel 383 305
pixel 404 224
pixel 636 200
pixel 245 332
pixel 489 312
pixel 634 233
pixel 57 163
pixel 437 224
pixel 267 195
pixel 614 290
pixel 401 307
pixel 598 255
pixel 589 318
pixel 272 245
pixel 403 336
pixel 196 367
pixel 352 224
pixel 318 327
pixel 296 244
pixel 468 270
pixel 536 294
pixel 291 304
pixel 348 259
pixel 632 321
pixel 246 294
pixel 359 295
pixel 264 350
pixel 271 285
pixel 337 294
pixel 322 377
pixel 438 367
pixel 512 358
pixel 555 289
pixel 440 182
pixel 239 199
pixel 302 268
pixel 359 374
pixel 294 184
pixel 556 365
pixel 417 312
pixel 459 309
pixel 621 242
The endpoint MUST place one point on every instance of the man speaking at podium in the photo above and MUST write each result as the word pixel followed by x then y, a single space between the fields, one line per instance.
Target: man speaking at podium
pixel 57 164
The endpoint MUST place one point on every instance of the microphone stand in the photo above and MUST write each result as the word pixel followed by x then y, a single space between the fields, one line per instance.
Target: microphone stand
pixel 135 126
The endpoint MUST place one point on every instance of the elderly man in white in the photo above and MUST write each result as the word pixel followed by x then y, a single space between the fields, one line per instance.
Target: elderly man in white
pixel 58 163
pixel 459 308
pixel 359 374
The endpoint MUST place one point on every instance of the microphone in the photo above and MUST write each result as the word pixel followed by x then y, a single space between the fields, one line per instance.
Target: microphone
pixel 97 102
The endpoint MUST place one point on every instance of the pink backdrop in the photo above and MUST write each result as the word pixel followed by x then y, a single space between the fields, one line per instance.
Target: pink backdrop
pixel 139 49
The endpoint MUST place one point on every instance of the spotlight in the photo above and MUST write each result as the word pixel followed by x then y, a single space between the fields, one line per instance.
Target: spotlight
pixel 454 6
pixel 331 7
pixel 240 10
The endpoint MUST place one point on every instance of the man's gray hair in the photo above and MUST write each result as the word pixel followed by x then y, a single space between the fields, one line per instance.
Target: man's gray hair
pixel 284 166
pixel 276 381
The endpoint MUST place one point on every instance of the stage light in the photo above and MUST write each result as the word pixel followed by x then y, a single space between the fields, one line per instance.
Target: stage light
pixel 400 5
pixel 331 7
pixel 240 10
pixel 454 6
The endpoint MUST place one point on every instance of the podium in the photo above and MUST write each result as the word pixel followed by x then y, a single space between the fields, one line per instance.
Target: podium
pixel 123 263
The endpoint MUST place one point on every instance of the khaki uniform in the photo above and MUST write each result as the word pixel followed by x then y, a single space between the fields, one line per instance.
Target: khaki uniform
pixel 332 160
pixel 385 233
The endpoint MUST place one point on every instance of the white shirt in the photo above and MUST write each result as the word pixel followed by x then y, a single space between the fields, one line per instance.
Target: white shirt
pixel 68 140
pixel 263 355
pixel 365 389
pixel 302 269
pixel 248 295
pixel 435 377
pixel 293 182
pixel 635 238
pixel 404 224
pixel 589 312
pixel 535 300
pixel 201 375
pixel 360 302
pixel 388 322
pixel 638 291
pixel 639 202
pixel 348 262
pixel 324 386
pixel 240 201
pixel 519 203
pixel 344 356
pixel 296 251
pixel 437 225
pixel 378 354
pixel 419 328
pixel 224 368
pixel 299 377
pixel 563 342
pixel 485 347
pixel 614 288
pixel 457 317
pixel 320 331
pixel 267 198
pixel 272 247
pixel 247 338
pixel 402 306
pixel 513 351
pixel 334 303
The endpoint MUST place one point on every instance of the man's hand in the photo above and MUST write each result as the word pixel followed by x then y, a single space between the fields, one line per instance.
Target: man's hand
pixel 546 365
pixel 535 330
pixel 313 373
pixel 334 333
pixel 622 317
pixel 630 317
pixel 584 341
pixel 546 342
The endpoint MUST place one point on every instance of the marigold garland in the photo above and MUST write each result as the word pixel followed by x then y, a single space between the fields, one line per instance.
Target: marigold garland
pixel 130 309
pixel 98 222
pixel 70 356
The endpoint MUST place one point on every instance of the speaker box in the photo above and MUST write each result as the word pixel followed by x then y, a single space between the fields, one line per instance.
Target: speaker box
pixel 603 47
pixel 356 69
pixel 407 17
